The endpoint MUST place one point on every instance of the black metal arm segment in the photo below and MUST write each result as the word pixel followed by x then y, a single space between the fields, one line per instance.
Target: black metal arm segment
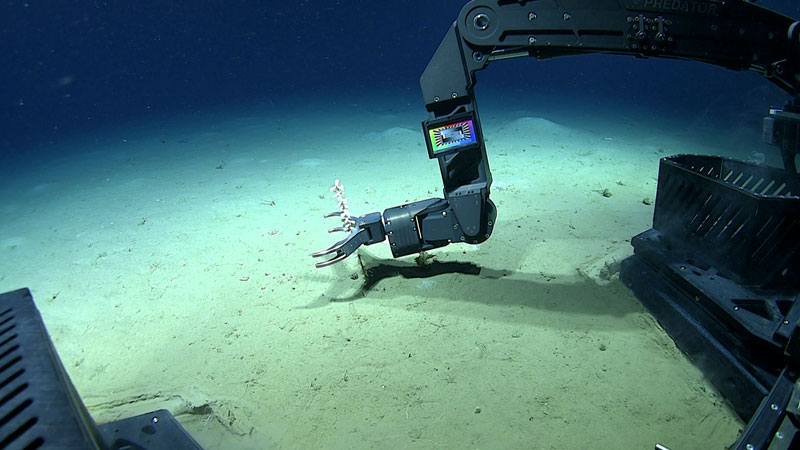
pixel 730 33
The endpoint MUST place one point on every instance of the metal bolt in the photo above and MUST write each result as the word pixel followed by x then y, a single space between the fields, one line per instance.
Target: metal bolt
pixel 786 322
pixel 779 435
pixel 477 56
pixel 490 223
pixel 154 419
pixel 455 227
pixel 566 16
pixel 531 40
pixel 773 407
pixel 735 308
pixel 454 95
pixel 481 21
pixel 463 238
pixel 444 213
pixel 436 99
pixel 531 15
pixel 749 447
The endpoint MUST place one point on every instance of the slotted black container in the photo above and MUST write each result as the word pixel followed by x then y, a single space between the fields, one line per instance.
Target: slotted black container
pixel 742 219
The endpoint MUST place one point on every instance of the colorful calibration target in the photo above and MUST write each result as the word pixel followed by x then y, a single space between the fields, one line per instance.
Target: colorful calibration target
pixel 452 135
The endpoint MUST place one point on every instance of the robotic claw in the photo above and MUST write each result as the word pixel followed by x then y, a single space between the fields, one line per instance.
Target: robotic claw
pixel 746 328
pixel 404 226
pixel 363 230
pixel 465 214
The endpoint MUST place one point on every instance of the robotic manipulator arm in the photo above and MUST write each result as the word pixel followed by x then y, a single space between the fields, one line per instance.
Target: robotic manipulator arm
pixel 735 34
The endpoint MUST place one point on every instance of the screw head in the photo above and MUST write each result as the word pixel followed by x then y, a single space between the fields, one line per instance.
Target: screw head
pixel 481 21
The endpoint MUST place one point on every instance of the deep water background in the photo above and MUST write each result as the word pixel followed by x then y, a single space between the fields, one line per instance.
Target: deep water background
pixel 71 67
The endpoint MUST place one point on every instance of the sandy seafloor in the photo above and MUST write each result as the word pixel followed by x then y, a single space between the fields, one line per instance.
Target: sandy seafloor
pixel 170 261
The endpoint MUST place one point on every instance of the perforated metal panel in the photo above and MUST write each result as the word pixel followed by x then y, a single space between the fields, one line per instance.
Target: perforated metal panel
pixel 743 219
pixel 38 404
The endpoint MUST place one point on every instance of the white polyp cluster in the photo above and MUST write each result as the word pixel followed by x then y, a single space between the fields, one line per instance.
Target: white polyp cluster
pixel 344 211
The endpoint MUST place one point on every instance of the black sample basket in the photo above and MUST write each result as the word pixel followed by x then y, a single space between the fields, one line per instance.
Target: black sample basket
pixel 741 219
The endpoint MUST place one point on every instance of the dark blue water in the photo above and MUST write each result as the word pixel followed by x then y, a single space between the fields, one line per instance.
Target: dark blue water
pixel 69 67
